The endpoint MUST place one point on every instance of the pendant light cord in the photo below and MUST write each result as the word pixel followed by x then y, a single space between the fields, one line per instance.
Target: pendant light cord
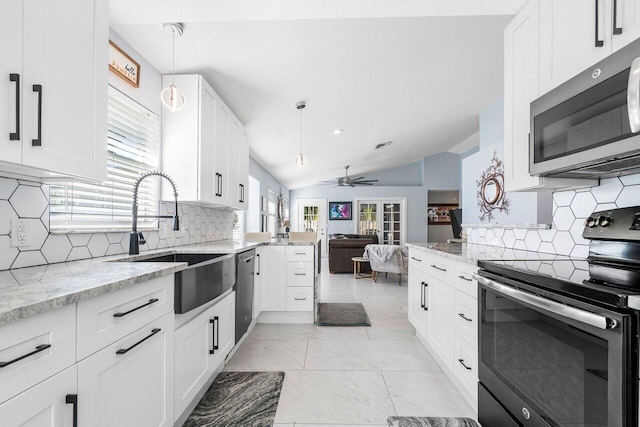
pixel 173 55
pixel 301 131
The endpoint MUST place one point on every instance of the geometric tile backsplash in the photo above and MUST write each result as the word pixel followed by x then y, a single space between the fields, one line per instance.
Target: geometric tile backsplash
pixel 570 208
pixel 28 199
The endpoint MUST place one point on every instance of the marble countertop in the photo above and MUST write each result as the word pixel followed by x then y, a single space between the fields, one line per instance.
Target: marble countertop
pixel 28 291
pixel 471 253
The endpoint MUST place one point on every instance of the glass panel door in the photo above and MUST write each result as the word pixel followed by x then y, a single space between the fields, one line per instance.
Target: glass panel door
pixel 391 224
pixel 385 218
pixel 310 219
pixel 368 214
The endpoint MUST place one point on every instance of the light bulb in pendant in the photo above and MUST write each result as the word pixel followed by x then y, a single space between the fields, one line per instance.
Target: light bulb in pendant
pixel 172 98
pixel 301 160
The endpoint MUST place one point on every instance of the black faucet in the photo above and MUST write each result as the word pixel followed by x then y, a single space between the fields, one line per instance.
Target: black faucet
pixel 135 237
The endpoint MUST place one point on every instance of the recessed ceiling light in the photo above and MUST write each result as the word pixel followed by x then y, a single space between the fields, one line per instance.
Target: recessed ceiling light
pixel 337 131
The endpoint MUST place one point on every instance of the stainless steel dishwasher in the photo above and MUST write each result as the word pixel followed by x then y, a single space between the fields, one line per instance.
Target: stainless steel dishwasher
pixel 244 291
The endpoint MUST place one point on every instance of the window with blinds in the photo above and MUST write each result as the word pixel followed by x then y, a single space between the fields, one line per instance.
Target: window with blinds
pixel 133 148
pixel 272 207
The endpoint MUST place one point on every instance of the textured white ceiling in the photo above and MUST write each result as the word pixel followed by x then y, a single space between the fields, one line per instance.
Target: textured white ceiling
pixel 380 70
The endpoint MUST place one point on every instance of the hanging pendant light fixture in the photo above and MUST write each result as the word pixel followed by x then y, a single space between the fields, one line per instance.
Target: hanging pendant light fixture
pixel 171 97
pixel 301 160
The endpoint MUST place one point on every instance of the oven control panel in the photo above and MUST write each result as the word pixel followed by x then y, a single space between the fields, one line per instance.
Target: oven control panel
pixel 615 224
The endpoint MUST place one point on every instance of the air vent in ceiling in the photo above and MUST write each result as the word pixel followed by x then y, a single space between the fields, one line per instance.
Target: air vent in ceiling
pixel 384 144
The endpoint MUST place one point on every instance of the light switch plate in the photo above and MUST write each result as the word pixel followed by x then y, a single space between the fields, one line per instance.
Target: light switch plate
pixel 20 232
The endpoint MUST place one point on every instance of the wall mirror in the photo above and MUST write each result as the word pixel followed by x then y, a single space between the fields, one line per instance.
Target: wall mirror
pixel 491 195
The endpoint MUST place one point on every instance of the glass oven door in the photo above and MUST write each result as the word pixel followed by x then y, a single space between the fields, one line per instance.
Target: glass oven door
pixel 552 364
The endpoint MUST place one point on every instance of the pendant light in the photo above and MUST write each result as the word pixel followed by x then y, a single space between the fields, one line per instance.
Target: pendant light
pixel 301 160
pixel 171 97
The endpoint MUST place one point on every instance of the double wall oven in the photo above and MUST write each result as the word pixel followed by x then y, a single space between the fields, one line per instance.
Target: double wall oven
pixel 558 341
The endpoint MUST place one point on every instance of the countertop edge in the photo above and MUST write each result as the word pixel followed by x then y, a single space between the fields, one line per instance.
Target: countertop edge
pixel 443 254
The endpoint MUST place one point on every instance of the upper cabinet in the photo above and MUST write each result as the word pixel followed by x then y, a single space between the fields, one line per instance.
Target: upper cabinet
pixel 202 148
pixel 626 22
pixel 53 88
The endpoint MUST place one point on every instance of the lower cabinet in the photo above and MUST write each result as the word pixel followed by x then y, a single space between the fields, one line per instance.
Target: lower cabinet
pixel 201 346
pixel 440 309
pixel 271 273
pixel 129 382
pixel 44 404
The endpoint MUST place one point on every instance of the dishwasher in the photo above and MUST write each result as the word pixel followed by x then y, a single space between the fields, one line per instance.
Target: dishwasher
pixel 244 292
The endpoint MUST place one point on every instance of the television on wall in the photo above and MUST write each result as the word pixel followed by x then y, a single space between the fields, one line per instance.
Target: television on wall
pixel 339 210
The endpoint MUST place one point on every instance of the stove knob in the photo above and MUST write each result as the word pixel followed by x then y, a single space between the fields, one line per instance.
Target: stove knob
pixel 604 221
pixel 590 222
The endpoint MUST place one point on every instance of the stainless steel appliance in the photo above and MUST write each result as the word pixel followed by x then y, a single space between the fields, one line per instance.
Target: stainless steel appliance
pixel 558 339
pixel 590 126
pixel 207 277
pixel 244 292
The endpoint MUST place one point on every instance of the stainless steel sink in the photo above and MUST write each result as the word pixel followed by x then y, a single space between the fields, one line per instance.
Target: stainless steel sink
pixel 207 277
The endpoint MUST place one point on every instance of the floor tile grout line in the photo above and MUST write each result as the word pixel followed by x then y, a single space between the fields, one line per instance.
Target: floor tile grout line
pixel 306 352
pixel 389 392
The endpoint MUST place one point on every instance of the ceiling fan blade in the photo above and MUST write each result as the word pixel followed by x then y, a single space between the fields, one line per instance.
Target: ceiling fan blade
pixel 361 183
pixel 365 180
pixel 355 179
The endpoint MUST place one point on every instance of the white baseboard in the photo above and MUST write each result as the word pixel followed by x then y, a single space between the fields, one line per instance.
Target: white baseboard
pixel 286 317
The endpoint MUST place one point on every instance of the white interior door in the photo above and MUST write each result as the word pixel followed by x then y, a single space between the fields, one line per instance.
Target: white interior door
pixel 312 216
pixel 385 217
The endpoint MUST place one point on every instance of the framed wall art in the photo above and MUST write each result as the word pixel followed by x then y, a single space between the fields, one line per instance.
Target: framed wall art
pixel 123 65
pixel 340 210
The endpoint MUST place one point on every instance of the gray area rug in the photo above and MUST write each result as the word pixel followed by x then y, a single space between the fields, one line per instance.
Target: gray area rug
pixel 342 314
pixel 239 399
pixel 431 422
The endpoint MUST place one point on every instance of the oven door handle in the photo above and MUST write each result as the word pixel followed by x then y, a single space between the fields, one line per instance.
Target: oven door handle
pixel 633 96
pixel 576 314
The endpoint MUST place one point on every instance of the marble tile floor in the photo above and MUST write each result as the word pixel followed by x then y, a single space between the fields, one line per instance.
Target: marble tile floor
pixel 352 376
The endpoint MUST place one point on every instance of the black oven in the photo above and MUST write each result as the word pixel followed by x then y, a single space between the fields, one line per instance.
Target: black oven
pixel 552 360
pixel 590 125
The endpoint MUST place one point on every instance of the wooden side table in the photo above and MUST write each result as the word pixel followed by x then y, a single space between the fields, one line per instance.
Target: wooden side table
pixel 357 266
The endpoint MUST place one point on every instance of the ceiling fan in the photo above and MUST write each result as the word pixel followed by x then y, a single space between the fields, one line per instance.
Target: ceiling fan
pixel 347 181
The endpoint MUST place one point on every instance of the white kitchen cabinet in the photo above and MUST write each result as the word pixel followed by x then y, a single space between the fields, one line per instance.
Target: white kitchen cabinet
pixel 222 152
pixel 521 87
pixel 62 84
pixel 239 157
pixel 257 288
pixel 440 306
pixel 44 405
pixel 201 346
pixel 130 382
pixel 272 276
pixel 418 316
pixel 627 20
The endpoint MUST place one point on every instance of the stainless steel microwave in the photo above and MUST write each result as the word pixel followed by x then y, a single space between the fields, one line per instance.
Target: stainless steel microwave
pixel 590 125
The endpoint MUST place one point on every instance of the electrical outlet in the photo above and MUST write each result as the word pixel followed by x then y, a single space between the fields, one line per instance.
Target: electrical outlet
pixel 20 232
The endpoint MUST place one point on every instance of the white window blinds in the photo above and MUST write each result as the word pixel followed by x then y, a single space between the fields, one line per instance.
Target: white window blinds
pixel 133 149
pixel 272 201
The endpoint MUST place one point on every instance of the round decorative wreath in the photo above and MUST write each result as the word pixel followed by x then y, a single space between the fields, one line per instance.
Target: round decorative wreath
pixel 491 196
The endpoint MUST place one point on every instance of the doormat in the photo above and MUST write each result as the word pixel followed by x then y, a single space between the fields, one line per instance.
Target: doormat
pixel 239 399
pixel 342 314
pixel 430 422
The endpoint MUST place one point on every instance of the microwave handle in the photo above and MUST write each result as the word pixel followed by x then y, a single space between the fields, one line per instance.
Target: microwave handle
pixel 576 314
pixel 633 96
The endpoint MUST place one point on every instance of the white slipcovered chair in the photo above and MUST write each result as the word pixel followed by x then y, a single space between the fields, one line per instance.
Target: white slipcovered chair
pixel 387 259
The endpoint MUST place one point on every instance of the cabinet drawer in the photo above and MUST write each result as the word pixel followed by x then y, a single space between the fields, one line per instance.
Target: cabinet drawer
pixel 418 260
pixel 300 299
pixel 440 268
pixel 29 337
pixel 464 280
pixel 465 366
pixel 300 253
pixel 299 273
pixel 107 318
pixel 466 315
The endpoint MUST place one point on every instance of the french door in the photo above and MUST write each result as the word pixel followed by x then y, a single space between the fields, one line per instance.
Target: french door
pixel 385 217
pixel 312 216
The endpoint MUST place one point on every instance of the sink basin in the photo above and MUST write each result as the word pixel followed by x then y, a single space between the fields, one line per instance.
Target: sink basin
pixel 207 277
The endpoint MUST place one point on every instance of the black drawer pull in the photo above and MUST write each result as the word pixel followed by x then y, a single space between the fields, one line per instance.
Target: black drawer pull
pixel 465 317
pixel 466 278
pixel 300 274
pixel 422 294
pixel 465 366
pixel 151 301
pixel 300 299
pixel 616 30
pixel 216 333
pixel 73 399
pixel 426 285
pixel 38 349
pixel 38 142
pixel 416 259
pixel 125 350
pixel 438 268
pixel 15 136
pixel 599 43
pixel 299 253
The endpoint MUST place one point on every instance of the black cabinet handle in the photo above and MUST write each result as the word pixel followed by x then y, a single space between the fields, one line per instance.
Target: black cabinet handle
pixel 151 301
pixel 221 185
pixel 465 366
pixel 616 30
pixel 300 299
pixel 416 259
pixel 465 317
pixel 599 43
pixel 125 350
pixel 438 268
pixel 38 142
pixel 15 136
pixel 258 272
pixel 424 290
pixel 216 332
pixel 38 349
pixel 300 274
pixel 73 399
pixel 422 294
pixel 465 278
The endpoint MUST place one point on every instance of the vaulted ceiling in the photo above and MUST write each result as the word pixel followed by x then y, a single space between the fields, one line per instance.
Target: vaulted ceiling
pixel 413 72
